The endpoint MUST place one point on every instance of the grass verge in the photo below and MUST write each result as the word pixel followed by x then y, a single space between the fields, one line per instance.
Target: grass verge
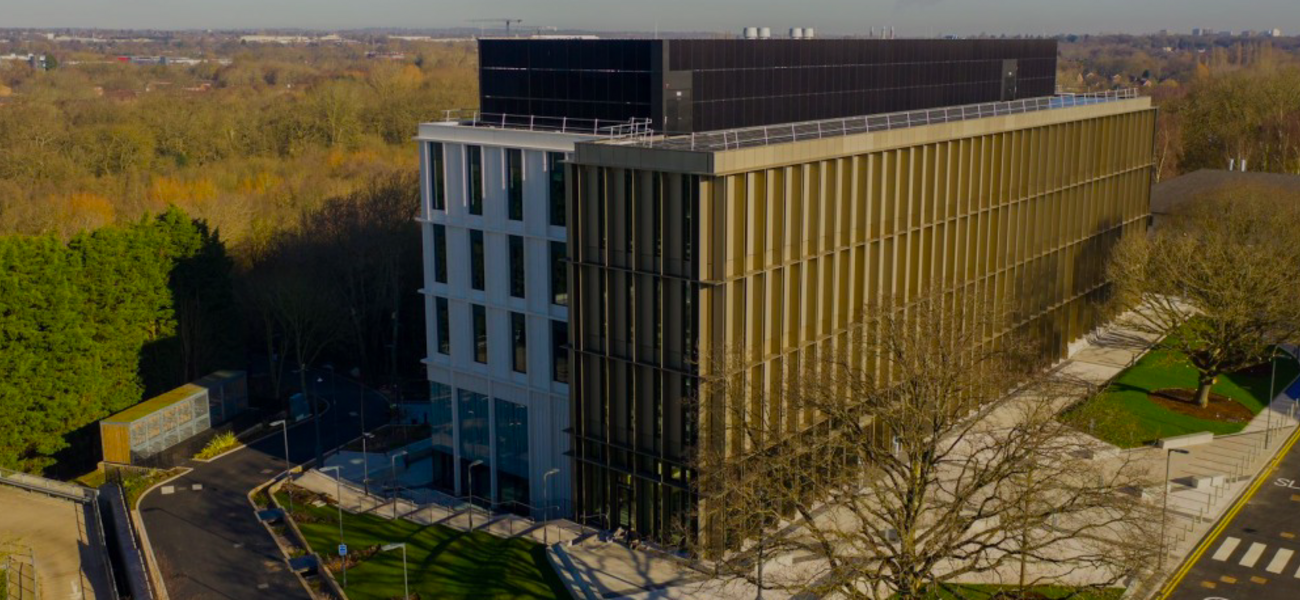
pixel 441 562
pixel 1124 414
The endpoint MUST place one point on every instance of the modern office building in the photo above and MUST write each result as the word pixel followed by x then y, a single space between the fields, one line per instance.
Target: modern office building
pixel 768 242
pixel 577 271
pixel 686 85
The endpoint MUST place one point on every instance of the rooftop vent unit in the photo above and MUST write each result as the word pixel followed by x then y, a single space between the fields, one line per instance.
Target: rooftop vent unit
pixel 764 33
pixel 751 33
pixel 796 33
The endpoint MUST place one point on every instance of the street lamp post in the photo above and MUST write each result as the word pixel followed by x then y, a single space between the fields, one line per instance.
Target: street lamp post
pixel 365 461
pixel 288 467
pixel 470 471
pixel 406 586
pixel 546 499
pixel 338 481
pixel 392 462
pixel 1272 393
pixel 1164 510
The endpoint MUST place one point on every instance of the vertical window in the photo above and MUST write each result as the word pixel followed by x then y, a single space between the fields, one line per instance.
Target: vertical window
pixel 602 196
pixel 512 455
pixel 560 351
pixel 555 170
pixel 437 186
pixel 559 274
pixel 475 445
pixel 657 220
pixel 689 186
pixel 439 253
pixel 477 272
pixel 444 326
pixel 629 195
pixel 474 176
pixel 516 266
pixel 480 333
pixel 519 341
pixel 515 183
pixel 440 434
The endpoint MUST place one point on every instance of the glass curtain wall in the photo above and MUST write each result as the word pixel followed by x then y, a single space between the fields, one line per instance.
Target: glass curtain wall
pixel 475 445
pixel 512 455
pixel 444 462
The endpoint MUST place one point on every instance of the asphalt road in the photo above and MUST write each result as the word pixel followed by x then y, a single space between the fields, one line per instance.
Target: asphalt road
pixel 205 534
pixel 1256 555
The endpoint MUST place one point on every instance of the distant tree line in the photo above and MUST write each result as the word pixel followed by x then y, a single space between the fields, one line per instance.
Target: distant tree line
pixel 246 146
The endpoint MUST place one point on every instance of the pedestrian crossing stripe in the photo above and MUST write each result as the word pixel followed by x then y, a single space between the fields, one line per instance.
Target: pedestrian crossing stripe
pixel 1281 558
pixel 1226 549
pixel 1252 554
pixel 1279 561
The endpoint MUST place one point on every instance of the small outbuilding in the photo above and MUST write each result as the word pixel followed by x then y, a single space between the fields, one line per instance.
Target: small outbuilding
pixel 152 426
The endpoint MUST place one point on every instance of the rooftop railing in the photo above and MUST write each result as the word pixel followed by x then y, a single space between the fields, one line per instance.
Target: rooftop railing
pixel 631 128
pixel 733 139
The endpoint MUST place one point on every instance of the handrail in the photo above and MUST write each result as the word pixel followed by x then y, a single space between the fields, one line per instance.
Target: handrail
pixel 633 127
pixel 36 483
pixel 732 139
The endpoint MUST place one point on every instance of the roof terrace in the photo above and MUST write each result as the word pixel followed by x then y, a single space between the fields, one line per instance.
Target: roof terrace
pixel 750 137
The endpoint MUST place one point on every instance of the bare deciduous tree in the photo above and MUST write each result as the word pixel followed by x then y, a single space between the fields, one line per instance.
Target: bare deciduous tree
pixel 1219 280
pixel 934 457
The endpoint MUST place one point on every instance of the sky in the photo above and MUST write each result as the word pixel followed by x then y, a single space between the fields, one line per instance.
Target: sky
pixel 909 17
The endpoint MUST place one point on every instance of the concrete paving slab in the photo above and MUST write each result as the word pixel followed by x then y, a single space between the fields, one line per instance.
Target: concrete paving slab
pixel 68 563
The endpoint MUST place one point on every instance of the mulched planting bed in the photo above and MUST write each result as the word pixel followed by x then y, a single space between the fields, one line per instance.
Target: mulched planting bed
pixel 1221 408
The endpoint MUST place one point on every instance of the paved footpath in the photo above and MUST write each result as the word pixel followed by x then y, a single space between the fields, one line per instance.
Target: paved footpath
pixel 58 532
pixel 1255 553
pixel 203 530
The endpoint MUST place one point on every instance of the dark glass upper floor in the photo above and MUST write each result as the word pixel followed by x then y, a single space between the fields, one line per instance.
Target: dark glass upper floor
pixel 690 85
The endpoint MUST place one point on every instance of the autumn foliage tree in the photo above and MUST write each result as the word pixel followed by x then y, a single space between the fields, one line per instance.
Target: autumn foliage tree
pixel 1218 280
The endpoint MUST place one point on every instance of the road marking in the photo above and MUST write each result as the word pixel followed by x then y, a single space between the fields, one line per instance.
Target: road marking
pixel 1258 579
pixel 168 489
pixel 1252 555
pixel 1227 579
pixel 1190 561
pixel 1288 535
pixel 1295 497
pixel 263 586
pixel 196 487
pixel 1209 584
pixel 1226 549
pixel 1279 561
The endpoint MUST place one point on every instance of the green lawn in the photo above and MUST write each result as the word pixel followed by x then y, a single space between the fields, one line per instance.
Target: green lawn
pixel 1124 415
pixel 442 562
pixel 989 592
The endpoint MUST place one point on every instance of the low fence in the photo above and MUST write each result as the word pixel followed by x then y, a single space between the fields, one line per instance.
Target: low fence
pixel 19 572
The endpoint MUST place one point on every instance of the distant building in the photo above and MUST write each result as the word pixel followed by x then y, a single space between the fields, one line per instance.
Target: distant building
pixel 1275 33
pixel 1171 196
pixel 35 61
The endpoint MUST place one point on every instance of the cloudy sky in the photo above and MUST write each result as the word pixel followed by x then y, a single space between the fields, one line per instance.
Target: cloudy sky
pixel 910 17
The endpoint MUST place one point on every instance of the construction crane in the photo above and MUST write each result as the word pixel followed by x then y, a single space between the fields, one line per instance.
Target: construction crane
pixel 508 23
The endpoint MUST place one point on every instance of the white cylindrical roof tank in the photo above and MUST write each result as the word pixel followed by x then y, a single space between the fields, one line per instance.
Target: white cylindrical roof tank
pixel 764 33
pixel 809 33
pixel 796 33
pixel 751 33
